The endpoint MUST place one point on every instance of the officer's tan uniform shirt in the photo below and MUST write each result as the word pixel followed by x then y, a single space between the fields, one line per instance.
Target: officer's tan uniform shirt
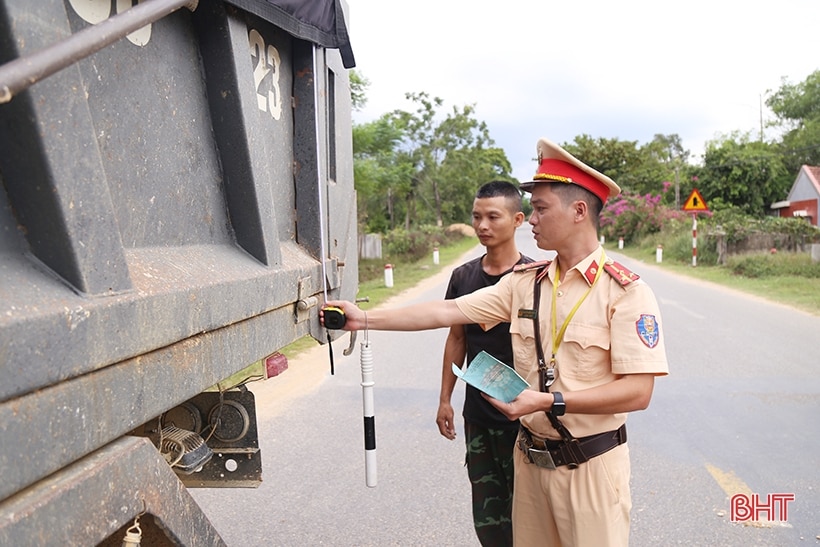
pixel 615 331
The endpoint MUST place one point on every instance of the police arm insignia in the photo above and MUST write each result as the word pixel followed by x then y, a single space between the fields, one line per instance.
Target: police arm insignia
pixel 648 332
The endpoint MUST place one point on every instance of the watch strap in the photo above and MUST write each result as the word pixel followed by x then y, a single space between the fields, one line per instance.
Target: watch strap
pixel 559 407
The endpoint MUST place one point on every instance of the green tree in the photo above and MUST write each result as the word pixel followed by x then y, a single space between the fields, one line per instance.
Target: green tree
pixel 358 89
pixel 739 171
pixel 381 173
pixel 671 160
pixel 797 107
pixel 464 170
pixel 637 169
pixel 422 167
pixel 612 157
pixel 451 155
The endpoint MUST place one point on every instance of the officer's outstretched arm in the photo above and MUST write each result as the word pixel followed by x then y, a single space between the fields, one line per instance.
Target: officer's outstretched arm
pixel 424 316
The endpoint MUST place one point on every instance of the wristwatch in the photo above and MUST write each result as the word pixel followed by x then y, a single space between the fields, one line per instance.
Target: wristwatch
pixel 558 404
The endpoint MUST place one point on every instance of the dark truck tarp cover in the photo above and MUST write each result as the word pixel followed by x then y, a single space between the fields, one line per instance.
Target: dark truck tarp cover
pixel 319 21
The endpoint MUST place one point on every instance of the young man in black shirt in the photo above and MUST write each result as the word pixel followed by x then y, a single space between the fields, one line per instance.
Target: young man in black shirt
pixel 490 437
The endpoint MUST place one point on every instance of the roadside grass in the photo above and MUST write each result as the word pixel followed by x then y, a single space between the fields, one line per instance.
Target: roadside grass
pixel 408 274
pixel 799 291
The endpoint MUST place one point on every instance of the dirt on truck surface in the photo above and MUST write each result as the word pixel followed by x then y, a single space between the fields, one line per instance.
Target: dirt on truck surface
pixel 167 170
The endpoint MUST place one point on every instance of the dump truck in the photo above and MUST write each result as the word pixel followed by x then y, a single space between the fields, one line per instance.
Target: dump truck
pixel 177 202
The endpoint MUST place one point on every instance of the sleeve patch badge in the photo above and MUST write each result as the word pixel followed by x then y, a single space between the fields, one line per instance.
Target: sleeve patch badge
pixel 647 327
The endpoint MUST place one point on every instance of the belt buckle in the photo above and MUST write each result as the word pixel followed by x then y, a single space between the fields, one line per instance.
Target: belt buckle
pixel 541 458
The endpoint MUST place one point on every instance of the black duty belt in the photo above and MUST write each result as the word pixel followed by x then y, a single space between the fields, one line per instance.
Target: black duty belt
pixel 551 454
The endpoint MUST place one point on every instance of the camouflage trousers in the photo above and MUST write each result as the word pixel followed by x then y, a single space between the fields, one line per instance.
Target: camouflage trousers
pixel 489 463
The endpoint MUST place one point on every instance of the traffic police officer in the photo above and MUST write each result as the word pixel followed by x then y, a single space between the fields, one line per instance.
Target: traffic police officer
pixel 587 337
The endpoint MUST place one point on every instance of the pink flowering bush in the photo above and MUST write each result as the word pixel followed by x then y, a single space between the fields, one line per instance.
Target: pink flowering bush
pixel 634 216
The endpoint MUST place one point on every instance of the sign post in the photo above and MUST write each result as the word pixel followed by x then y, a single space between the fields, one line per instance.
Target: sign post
pixel 695 204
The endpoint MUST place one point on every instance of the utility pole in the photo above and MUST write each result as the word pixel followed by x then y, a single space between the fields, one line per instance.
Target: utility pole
pixel 677 185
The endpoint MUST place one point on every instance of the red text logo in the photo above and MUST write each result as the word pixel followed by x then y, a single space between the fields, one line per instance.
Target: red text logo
pixel 751 507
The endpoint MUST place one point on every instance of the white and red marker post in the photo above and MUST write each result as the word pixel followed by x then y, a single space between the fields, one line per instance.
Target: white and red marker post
pixel 694 239
pixel 695 204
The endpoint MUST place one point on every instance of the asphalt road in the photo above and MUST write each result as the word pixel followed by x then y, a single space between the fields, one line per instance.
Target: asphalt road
pixel 739 413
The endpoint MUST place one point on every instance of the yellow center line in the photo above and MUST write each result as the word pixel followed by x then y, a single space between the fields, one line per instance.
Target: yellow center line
pixel 733 485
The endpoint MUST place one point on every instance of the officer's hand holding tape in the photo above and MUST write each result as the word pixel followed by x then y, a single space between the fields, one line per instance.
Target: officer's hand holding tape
pixel 354 317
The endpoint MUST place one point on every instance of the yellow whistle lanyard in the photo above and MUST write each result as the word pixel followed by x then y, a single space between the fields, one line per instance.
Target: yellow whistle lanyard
pixel 557 337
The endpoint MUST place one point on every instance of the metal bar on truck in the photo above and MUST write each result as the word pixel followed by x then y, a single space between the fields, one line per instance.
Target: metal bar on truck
pixel 19 74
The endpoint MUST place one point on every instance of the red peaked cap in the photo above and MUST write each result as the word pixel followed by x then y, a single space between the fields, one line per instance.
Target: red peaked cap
pixel 557 165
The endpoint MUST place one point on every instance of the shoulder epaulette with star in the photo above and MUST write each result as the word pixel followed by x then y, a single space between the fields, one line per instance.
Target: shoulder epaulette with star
pixel 622 275
pixel 532 266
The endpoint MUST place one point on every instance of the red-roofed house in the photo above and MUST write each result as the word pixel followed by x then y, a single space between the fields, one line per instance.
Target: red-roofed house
pixel 803 198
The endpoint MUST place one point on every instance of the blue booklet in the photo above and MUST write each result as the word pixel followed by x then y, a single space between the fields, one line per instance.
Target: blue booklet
pixel 488 374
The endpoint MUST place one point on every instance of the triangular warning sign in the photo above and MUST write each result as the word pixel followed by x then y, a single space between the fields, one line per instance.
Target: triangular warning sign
pixel 695 202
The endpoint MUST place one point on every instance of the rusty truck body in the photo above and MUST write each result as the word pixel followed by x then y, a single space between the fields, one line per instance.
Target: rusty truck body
pixel 177 195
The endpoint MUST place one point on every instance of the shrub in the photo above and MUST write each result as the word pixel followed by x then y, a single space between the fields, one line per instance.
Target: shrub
pixel 760 264
pixel 676 238
pixel 633 217
pixel 408 243
pixel 738 226
pixel 411 245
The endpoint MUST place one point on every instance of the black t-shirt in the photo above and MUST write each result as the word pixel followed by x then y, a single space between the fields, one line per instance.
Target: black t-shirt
pixel 467 278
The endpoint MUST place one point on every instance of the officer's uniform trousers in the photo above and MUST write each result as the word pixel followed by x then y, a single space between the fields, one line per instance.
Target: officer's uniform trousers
pixel 616 331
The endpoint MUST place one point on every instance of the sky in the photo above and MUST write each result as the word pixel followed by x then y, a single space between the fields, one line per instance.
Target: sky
pixel 625 70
